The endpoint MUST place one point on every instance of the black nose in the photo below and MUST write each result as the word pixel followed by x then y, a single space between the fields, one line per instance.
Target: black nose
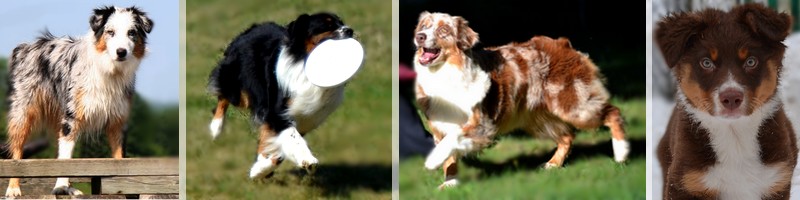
pixel 420 38
pixel 121 53
pixel 344 32
pixel 731 99
pixel 348 32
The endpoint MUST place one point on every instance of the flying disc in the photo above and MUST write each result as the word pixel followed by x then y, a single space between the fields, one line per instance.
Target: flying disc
pixel 333 62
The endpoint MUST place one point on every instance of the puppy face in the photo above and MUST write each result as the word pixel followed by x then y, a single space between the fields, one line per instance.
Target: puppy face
pixel 439 36
pixel 120 33
pixel 311 30
pixel 726 64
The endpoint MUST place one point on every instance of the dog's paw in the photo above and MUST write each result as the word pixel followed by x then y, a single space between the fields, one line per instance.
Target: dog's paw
pixel 215 127
pixel 448 184
pixel 621 150
pixel 551 166
pixel 66 190
pixel 307 162
pixel 13 192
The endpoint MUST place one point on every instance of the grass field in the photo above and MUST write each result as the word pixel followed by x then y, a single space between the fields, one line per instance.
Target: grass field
pixel 512 168
pixel 354 144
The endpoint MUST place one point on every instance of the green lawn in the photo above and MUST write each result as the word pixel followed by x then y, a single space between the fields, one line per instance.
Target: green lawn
pixel 512 168
pixel 354 144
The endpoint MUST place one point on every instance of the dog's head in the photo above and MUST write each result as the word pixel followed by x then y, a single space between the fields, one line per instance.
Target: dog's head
pixel 308 31
pixel 439 36
pixel 120 33
pixel 726 64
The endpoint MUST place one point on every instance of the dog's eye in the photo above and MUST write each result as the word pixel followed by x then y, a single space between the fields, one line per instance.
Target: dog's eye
pixel 131 33
pixel 110 32
pixel 750 63
pixel 706 63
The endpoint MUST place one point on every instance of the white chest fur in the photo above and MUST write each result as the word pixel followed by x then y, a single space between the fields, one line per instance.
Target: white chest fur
pixel 738 173
pixel 102 98
pixel 452 91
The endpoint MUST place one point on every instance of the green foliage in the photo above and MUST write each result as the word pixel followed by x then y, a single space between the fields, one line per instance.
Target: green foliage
pixel 353 145
pixel 511 169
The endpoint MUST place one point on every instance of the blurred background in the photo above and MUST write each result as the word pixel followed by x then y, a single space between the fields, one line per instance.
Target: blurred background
pixel 152 129
pixel 512 168
pixel 353 145
pixel 664 86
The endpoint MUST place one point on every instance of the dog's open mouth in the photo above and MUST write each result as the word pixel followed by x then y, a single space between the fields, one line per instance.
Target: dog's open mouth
pixel 428 55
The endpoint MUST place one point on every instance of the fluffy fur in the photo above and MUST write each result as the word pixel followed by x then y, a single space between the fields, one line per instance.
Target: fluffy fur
pixel 76 85
pixel 728 137
pixel 542 86
pixel 263 71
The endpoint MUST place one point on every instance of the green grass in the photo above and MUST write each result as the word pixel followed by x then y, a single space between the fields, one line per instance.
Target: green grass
pixel 353 145
pixel 512 168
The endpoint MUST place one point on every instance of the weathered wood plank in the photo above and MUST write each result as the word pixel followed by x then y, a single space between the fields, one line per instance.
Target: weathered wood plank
pixel 87 167
pixel 35 186
pixel 140 185
pixel 70 197
pixel 158 196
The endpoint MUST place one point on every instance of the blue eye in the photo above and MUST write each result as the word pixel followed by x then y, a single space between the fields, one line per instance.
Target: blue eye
pixel 750 63
pixel 706 63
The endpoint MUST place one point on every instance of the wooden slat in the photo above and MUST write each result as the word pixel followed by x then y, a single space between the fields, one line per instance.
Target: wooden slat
pixel 70 197
pixel 140 185
pixel 158 196
pixel 35 186
pixel 88 167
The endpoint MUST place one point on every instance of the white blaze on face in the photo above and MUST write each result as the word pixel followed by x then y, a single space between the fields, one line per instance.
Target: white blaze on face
pixel 719 107
pixel 120 23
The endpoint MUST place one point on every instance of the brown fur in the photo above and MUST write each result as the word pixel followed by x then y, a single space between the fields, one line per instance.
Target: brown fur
pixel 751 30
pixel 139 48
pixel 100 44
pixel 313 41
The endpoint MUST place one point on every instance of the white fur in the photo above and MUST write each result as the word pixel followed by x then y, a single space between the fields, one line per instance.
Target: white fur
pixel 739 173
pixel 311 104
pixel 449 182
pixel 215 127
pixel 65 148
pixel 263 166
pixel 120 23
pixel 729 84
pixel 294 148
pixel 450 145
pixel 13 192
pixel 621 149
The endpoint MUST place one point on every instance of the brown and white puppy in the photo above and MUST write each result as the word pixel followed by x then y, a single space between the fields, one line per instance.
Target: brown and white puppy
pixel 543 87
pixel 728 137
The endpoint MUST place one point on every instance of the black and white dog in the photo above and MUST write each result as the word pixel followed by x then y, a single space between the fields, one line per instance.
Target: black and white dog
pixel 262 70
pixel 76 85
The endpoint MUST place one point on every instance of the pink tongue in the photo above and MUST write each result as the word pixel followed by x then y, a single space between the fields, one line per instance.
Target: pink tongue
pixel 427 57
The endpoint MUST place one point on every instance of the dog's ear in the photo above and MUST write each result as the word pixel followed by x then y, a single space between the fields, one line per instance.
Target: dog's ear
pixel 299 27
pixel 423 15
pixel 100 16
pixel 763 21
pixel 467 38
pixel 678 32
pixel 142 19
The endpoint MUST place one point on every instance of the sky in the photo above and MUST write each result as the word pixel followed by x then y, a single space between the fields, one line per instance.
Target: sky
pixel 157 77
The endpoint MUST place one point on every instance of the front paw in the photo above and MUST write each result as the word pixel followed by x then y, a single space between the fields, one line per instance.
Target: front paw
pixel 13 192
pixel 448 184
pixel 307 162
pixel 66 190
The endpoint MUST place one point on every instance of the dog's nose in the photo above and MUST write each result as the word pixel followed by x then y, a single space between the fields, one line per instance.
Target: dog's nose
pixel 731 99
pixel 344 32
pixel 420 38
pixel 121 53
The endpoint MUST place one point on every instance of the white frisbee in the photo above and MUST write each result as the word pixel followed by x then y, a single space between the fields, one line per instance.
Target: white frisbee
pixel 334 62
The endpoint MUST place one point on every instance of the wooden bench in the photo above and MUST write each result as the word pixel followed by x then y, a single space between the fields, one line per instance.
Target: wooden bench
pixel 143 178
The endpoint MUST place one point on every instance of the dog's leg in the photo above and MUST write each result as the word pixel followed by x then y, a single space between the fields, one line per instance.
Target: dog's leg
pixel 613 120
pixel 18 131
pixel 443 150
pixel 268 155
pixel 66 143
pixel 295 148
pixel 450 169
pixel 114 133
pixel 219 116
pixel 564 144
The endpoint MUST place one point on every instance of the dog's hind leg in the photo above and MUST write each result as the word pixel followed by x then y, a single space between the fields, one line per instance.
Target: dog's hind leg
pixel 19 127
pixel 268 154
pixel 564 143
pixel 66 143
pixel 613 120
pixel 219 116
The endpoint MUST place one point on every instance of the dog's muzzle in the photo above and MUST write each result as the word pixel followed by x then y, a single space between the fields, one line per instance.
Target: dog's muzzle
pixel 344 32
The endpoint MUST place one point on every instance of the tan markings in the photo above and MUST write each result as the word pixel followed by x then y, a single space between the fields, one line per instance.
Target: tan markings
pixel 222 106
pixel 613 120
pixel 100 44
pixel 743 53
pixel 312 42
pixel 114 132
pixel 265 134
pixel 80 114
pixel 693 183
pixel 454 57
pixel 139 48
pixel 450 167
pixel 437 134
pixel 472 122
pixel 691 89
pixel 785 174
pixel 767 88
pixel 421 98
pixel 244 99
pixel 564 142
pixel 714 53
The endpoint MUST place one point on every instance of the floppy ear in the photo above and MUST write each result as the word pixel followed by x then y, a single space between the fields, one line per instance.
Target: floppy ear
pixel 467 38
pixel 299 26
pixel 423 15
pixel 141 18
pixel 764 22
pixel 677 33
pixel 100 17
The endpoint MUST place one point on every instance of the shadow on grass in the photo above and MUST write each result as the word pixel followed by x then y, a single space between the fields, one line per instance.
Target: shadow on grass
pixel 339 180
pixel 536 161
